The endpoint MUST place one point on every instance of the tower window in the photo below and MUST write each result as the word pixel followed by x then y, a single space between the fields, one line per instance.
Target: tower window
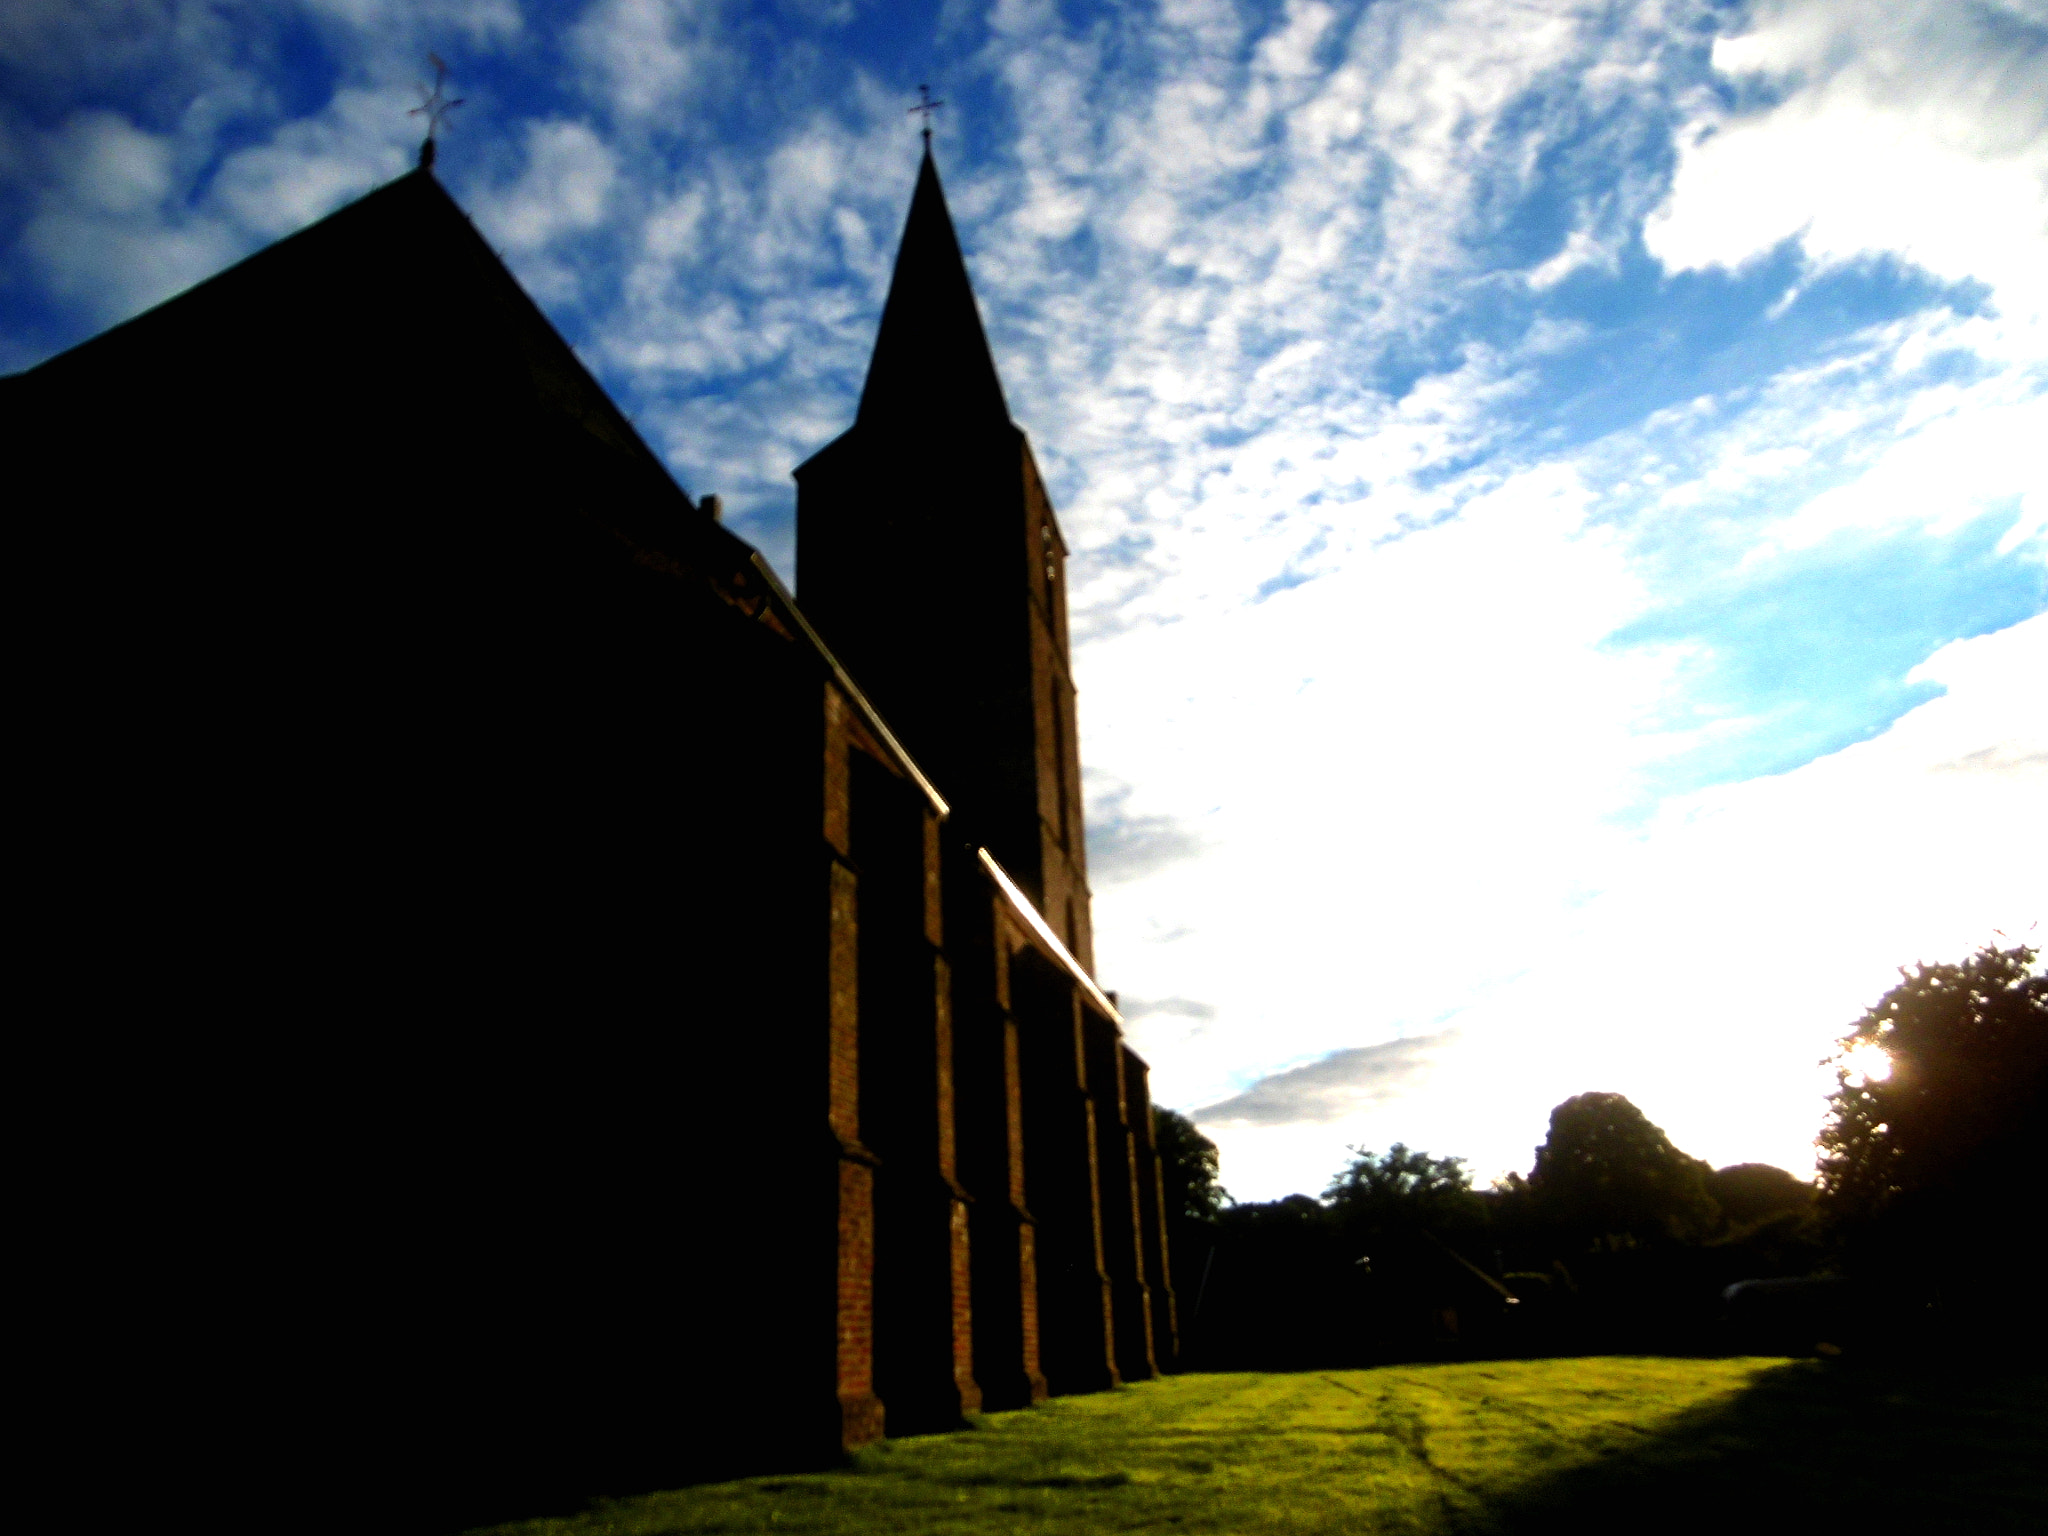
pixel 1059 762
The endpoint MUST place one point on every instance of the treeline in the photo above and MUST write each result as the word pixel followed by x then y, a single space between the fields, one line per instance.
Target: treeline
pixel 1616 1240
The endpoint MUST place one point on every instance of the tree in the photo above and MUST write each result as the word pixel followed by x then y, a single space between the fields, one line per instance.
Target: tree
pixel 1606 1174
pixel 1191 1200
pixel 1187 1168
pixel 1751 1192
pixel 1936 1137
pixel 1402 1191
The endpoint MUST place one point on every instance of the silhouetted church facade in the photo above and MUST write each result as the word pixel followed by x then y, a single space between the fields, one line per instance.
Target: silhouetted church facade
pixel 612 1018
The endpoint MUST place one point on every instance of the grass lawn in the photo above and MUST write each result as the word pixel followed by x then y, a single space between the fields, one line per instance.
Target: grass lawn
pixel 1736 1447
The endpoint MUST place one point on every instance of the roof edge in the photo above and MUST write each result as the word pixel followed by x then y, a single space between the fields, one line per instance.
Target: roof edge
pixel 869 714
pixel 1035 920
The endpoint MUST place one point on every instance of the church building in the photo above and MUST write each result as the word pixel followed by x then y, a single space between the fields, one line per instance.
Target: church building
pixel 542 1011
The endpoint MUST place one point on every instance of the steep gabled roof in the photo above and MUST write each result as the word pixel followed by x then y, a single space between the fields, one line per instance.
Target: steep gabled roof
pixel 417 288
pixel 931 356
pixel 317 411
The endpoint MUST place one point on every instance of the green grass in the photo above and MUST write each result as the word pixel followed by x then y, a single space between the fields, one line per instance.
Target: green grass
pixel 1736 1447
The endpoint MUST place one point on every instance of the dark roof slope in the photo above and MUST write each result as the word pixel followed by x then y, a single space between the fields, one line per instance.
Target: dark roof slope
pixel 365 437
pixel 392 313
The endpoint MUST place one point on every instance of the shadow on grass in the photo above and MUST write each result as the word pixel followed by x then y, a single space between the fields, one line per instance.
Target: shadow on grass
pixel 474 1486
pixel 1820 1446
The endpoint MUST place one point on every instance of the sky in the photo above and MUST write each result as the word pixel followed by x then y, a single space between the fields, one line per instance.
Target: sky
pixel 1558 491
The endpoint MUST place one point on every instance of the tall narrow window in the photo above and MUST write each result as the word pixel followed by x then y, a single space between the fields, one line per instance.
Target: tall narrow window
pixel 1059 758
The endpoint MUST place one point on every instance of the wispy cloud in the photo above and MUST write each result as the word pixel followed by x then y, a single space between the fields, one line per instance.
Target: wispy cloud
pixel 1173 1007
pixel 1918 129
pixel 646 56
pixel 1333 1088
pixel 1126 846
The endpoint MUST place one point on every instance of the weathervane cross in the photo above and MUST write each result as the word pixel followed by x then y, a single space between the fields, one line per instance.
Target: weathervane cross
pixel 434 107
pixel 926 106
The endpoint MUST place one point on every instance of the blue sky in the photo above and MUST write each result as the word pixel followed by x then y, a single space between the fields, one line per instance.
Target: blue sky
pixel 1558 490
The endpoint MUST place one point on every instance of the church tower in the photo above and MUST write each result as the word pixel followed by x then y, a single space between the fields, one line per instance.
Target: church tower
pixel 929 558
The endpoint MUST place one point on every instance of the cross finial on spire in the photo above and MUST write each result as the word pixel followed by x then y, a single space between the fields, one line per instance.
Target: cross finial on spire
pixel 434 107
pixel 926 106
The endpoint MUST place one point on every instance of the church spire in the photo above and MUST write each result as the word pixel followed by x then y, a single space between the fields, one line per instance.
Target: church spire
pixel 929 558
pixel 931 363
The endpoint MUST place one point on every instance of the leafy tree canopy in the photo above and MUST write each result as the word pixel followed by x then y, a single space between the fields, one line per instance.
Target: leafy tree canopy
pixel 1956 1124
pixel 1266 1217
pixel 1402 1190
pixel 1187 1169
pixel 1605 1172
pixel 1750 1192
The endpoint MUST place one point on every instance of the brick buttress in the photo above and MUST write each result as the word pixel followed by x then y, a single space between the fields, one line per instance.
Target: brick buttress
pixel 1123 1255
pixel 1151 1212
pixel 1062 1181
pixel 923 1314
pixel 988 1084
pixel 856 1408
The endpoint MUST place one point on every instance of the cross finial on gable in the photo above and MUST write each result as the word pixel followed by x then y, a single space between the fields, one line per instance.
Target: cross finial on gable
pixel 434 107
pixel 926 106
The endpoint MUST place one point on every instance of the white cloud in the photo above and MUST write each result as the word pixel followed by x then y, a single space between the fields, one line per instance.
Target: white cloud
pixel 1737 940
pixel 108 165
pixel 1323 194
pixel 567 182
pixel 648 56
pixel 1917 128
pixel 108 234
pixel 751 279
pixel 313 165
pixel 477 22
pixel 129 207
pixel 1401 769
pixel 1962 450
pixel 73 41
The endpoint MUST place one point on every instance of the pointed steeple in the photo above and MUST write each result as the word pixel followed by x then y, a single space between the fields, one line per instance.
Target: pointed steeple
pixel 931 359
pixel 929 558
